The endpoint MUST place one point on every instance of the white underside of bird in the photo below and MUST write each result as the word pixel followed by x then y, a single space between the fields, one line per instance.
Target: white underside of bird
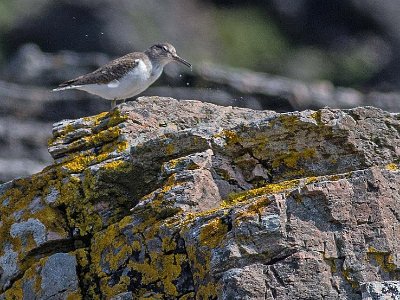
pixel 131 84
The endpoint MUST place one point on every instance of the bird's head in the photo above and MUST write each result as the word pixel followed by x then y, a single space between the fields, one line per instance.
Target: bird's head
pixel 165 53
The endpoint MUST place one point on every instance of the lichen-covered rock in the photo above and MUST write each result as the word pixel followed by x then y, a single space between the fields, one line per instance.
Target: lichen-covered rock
pixel 167 199
pixel 381 290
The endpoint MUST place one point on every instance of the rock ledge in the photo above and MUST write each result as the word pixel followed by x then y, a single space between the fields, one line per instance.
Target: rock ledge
pixel 167 199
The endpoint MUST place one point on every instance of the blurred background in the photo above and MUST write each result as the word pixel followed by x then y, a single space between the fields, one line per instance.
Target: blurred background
pixel 283 55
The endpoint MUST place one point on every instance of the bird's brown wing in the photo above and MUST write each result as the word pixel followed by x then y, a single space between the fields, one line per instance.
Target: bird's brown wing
pixel 107 73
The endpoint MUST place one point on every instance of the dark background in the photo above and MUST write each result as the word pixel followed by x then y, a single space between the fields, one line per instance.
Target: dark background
pixel 279 54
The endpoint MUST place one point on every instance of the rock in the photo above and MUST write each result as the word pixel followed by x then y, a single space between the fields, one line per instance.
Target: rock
pixel 381 290
pixel 59 278
pixel 170 199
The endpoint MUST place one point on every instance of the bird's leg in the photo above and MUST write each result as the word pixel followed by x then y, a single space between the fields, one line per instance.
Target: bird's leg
pixel 113 103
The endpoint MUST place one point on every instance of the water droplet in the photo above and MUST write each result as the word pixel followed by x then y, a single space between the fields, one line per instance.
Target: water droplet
pixel 86 35
pixel 187 83
pixel 101 33
pixel 180 75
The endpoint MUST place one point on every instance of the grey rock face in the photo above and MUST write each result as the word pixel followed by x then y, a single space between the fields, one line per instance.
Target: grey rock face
pixel 381 290
pixel 8 265
pixel 59 277
pixel 30 227
pixel 167 199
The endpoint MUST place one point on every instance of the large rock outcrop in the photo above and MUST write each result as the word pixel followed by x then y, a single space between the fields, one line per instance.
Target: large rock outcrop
pixel 167 199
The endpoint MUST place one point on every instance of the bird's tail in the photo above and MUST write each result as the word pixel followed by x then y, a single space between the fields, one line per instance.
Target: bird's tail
pixel 62 88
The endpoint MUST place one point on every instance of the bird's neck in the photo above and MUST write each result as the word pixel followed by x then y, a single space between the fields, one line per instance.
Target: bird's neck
pixel 156 69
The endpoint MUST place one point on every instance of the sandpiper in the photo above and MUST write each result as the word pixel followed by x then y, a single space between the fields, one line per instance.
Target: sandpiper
pixel 126 76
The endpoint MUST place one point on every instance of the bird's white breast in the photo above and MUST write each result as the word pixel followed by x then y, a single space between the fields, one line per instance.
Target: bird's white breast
pixel 132 83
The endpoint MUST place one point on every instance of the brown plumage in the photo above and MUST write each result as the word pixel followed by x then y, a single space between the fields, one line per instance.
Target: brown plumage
pixel 115 69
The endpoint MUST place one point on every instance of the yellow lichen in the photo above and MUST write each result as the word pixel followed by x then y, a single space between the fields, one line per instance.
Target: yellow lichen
pixel 391 167
pixel 103 136
pixel 168 244
pixel 169 149
pixel 61 134
pixel 334 177
pixel 331 263
pixel 206 286
pixel 212 233
pixel 188 296
pixel 79 163
pixel 148 273
pixel 122 146
pixel 230 136
pixel 116 164
pixel 106 242
pixel 311 179
pixel 291 159
pixel 269 189
pixel 95 120
pixel 383 259
pixel 19 201
pixel 254 208
pixel 79 211
pixel 170 270
pixel 349 278
pixel 201 265
pixel 76 163
pixel 16 292
pixel 317 117
pixel 82 257
pixel 108 291
pixel 74 296
pixel 136 246
pixel 31 274
pixel 208 291
pixel 114 119
pixel 109 139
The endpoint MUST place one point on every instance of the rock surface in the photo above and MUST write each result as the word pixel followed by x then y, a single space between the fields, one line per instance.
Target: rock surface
pixel 167 199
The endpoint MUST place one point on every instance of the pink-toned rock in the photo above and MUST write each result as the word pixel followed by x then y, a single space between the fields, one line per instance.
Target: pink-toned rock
pixel 186 200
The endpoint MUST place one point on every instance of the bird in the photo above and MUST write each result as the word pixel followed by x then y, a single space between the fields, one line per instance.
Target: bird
pixel 126 76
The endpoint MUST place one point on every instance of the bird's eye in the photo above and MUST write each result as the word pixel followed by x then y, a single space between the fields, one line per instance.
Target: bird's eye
pixel 165 48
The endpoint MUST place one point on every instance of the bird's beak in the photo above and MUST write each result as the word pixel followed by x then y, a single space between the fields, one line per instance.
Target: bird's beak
pixel 182 61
